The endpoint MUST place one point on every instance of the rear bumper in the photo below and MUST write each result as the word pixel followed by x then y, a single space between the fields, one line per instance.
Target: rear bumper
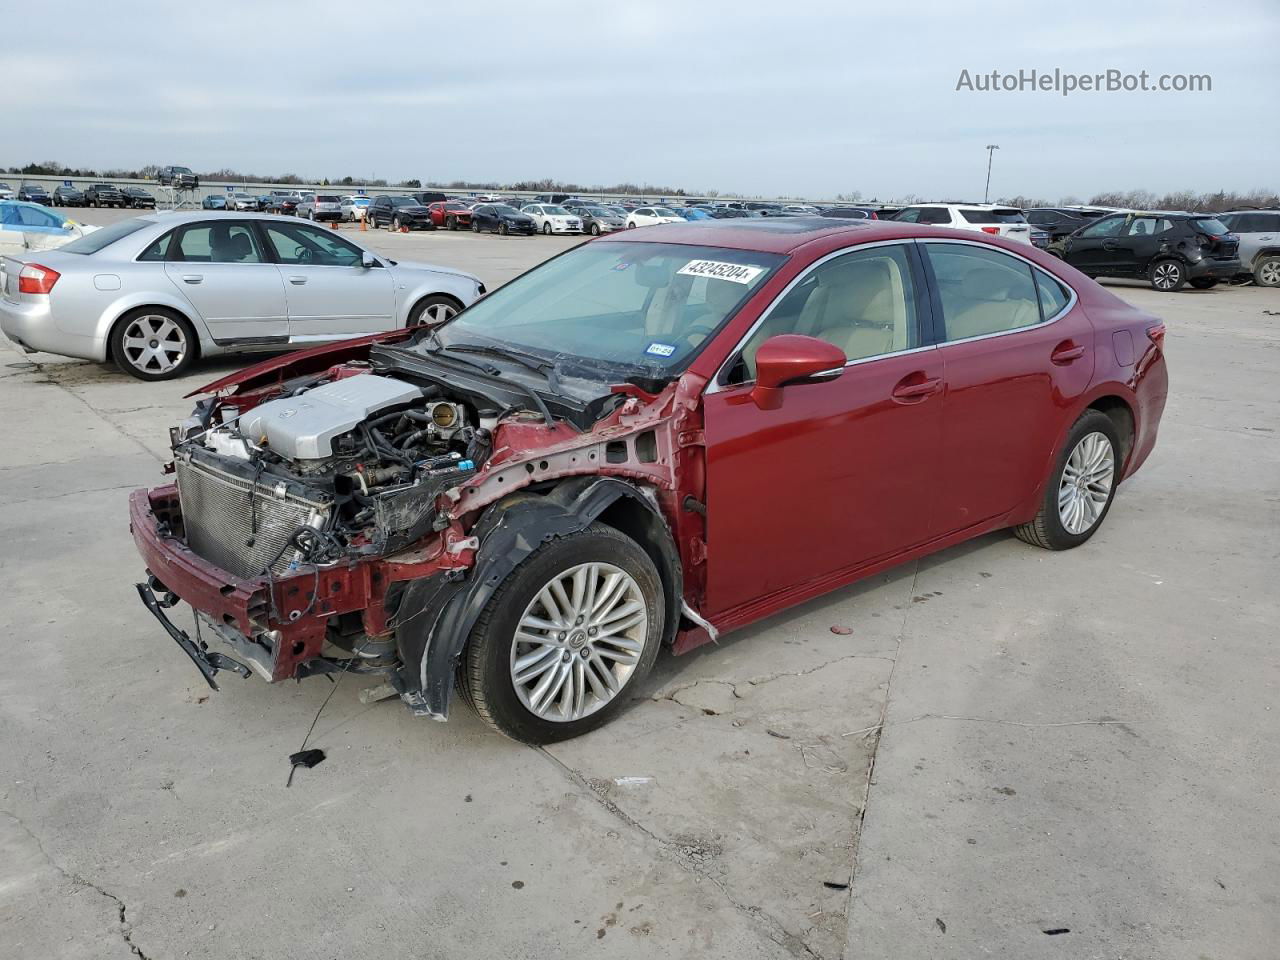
pixel 1216 269
pixel 30 324
pixel 327 215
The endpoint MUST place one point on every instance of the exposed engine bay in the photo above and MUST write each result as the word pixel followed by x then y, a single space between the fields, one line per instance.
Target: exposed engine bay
pixel 346 467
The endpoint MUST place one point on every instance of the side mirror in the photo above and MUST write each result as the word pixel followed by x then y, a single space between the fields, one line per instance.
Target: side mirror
pixel 368 260
pixel 787 358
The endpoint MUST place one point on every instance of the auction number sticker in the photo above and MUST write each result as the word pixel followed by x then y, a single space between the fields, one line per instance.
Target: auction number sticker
pixel 717 270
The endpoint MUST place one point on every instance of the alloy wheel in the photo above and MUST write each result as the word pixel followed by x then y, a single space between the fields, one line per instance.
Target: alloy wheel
pixel 1167 275
pixel 154 344
pixel 1086 482
pixel 1269 274
pixel 578 642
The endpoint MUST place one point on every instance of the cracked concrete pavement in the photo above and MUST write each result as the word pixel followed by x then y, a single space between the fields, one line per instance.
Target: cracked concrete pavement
pixel 906 789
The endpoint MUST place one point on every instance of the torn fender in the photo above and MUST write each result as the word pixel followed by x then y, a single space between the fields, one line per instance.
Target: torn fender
pixel 436 615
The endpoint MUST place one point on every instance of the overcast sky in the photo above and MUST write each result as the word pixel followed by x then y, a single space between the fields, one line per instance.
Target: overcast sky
pixel 808 99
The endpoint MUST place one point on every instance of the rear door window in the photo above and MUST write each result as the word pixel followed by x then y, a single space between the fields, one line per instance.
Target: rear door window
pixel 219 243
pixel 935 215
pixel 993 216
pixel 982 291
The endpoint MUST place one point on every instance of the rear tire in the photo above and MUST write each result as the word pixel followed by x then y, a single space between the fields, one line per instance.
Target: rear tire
pixel 1086 472
pixel 488 667
pixel 1267 272
pixel 1167 276
pixel 154 343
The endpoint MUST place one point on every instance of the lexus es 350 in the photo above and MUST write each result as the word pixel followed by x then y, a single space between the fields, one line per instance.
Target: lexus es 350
pixel 654 438
pixel 155 292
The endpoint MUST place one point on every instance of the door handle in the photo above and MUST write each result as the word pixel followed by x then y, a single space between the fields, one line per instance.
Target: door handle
pixel 298 280
pixel 1108 244
pixel 1066 352
pixel 192 278
pixel 911 389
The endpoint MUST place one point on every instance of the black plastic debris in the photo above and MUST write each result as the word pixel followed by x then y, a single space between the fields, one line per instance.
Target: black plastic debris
pixel 303 758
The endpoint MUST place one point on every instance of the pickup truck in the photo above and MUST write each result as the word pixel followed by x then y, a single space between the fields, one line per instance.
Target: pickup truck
pixel 103 195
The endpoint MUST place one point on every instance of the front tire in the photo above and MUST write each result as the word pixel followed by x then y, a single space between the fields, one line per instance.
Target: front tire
pixel 395 225
pixel 546 229
pixel 1167 276
pixel 566 637
pixel 451 223
pixel 433 310
pixel 1080 489
pixel 475 226
pixel 595 229
pixel 1267 272
pixel 503 228
pixel 153 343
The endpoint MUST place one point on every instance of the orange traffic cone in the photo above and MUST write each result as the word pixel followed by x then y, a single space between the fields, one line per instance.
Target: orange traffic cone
pixel 404 229
pixel 333 224
pixel 364 223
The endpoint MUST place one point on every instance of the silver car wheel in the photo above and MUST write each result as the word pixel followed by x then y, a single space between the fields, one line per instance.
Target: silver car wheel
pixel 578 642
pixel 1167 275
pixel 437 313
pixel 154 344
pixel 1086 482
pixel 1269 274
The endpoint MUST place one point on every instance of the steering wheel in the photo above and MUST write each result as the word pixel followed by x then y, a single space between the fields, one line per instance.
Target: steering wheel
pixel 703 330
pixel 305 254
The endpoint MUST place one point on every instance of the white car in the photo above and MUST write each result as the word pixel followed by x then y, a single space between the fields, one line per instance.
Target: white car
pixel 6 191
pixel 241 201
pixel 553 218
pixel 648 216
pixel 353 208
pixel 800 210
pixel 27 227
pixel 979 217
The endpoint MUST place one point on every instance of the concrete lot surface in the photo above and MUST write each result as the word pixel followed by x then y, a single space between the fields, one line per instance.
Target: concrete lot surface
pixel 1078 757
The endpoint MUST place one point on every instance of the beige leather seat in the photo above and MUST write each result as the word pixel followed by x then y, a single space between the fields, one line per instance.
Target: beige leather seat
pixel 860 309
pixel 993 306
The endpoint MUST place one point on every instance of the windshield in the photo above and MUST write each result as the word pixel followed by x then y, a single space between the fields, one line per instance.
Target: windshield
pixel 403 201
pixel 646 307
pixel 95 241
pixel 1208 225
pixel 598 211
pixel 503 208
pixel 663 212
pixel 555 211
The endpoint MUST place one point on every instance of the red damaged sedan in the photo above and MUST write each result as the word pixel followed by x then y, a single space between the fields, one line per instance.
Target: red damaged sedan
pixel 646 442
pixel 450 214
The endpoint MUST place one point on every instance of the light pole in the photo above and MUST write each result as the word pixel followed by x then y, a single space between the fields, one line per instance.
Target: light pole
pixel 991 150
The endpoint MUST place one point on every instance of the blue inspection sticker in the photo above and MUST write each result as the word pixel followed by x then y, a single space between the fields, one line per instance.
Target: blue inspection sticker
pixel 661 349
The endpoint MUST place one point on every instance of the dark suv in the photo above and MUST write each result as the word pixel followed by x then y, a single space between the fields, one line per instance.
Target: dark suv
pixel 398 212
pixel 1058 222
pixel 34 193
pixel 1168 249
pixel 103 195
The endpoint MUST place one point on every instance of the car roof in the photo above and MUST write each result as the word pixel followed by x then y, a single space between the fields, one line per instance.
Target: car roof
pixel 766 234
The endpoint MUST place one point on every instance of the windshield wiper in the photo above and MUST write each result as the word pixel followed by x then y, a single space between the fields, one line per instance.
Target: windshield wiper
pixel 537 364
pixel 491 370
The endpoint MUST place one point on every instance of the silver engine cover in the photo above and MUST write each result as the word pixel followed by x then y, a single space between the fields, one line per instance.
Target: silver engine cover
pixel 303 427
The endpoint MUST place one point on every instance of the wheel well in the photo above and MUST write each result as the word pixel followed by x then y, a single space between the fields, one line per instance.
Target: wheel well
pixel 111 333
pixel 645 527
pixel 1121 415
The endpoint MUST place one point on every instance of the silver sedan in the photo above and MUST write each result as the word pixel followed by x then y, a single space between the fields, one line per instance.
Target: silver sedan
pixel 154 292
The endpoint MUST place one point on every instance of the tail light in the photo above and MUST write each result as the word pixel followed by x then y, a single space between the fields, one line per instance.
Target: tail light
pixel 1156 334
pixel 37 279
pixel 873 216
pixel 992 230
